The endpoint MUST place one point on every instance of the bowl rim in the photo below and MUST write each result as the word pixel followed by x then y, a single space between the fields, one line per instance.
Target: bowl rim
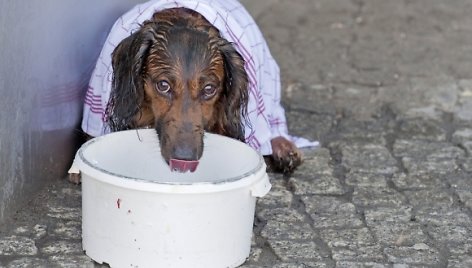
pixel 100 174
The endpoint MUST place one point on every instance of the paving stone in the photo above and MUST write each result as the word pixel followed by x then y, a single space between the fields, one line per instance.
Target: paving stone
pixel 68 230
pixel 358 253
pixel 376 78
pixel 467 165
pixel 350 220
pixel 450 234
pixel 464 250
pixel 463 112
pixel 460 262
pixel 294 250
pixel 317 204
pixel 26 262
pixel 361 89
pixel 278 196
pixel 350 264
pixel 461 255
pixel 363 99
pixel 351 132
pixel 301 264
pixel 72 191
pixel 412 255
pixel 73 261
pixel 288 230
pixel 22 230
pixel 419 181
pixel 465 197
pixel 315 161
pixel 388 214
pixel 465 87
pixel 316 184
pixel 17 245
pixel 281 215
pixel 61 247
pixel 311 126
pixel 427 157
pixel 255 254
pixel 284 264
pixel 429 165
pixel 365 131
pixel 442 91
pixel 442 216
pixel 38 231
pixel 401 106
pixel 461 135
pixel 347 237
pixel 398 234
pixel 67 192
pixel 248 265
pixel 467 145
pixel 420 149
pixel 426 198
pixel 426 113
pixel 461 182
pixel 64 213
pixel 421 129
pixel 331 212
pixel 312 98
pixel 366 180
pixel 368 197
pixel 369 158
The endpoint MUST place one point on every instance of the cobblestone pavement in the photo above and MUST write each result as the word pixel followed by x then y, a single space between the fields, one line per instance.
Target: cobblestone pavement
pixel 386 86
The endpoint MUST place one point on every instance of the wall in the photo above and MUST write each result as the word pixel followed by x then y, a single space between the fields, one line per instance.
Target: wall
pixel 48 49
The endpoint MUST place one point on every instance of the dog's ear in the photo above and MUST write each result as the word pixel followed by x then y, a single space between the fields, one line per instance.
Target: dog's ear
pixel 128 61
pixel 235 92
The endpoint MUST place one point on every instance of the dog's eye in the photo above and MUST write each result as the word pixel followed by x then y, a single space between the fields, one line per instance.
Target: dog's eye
pixel 208 91
pixel 163 87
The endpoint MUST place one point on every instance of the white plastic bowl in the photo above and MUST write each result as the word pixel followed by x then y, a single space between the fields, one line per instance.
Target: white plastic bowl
pixel 137 213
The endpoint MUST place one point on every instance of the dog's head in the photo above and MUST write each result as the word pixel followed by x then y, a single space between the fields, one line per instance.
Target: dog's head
pixel 180 76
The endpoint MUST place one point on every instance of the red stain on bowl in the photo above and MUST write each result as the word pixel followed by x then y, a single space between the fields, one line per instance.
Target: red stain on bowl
pixel 118 203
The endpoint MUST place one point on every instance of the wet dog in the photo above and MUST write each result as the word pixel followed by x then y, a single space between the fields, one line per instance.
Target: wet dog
pixel 177 74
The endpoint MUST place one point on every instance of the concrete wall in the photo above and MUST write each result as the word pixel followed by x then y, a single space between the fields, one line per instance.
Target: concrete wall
pixel 48 49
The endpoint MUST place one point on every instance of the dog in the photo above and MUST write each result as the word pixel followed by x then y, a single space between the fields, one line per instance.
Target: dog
pixel 178 75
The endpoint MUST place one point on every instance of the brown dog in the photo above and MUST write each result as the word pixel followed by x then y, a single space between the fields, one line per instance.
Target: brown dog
pixel 179 76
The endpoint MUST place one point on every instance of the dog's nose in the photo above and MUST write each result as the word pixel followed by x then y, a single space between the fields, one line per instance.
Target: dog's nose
pixel 184 152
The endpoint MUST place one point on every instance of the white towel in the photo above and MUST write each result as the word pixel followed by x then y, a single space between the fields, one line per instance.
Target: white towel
pixel 266 115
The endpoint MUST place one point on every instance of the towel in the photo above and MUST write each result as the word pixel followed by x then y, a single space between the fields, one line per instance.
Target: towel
pixel 266 116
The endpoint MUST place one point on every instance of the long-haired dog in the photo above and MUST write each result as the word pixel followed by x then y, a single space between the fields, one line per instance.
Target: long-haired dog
pixel 179 76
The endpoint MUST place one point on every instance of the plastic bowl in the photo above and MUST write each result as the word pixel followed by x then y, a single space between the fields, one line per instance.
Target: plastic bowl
pixel 136 212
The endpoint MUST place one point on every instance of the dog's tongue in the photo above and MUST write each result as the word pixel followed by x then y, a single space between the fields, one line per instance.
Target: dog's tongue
pixel 183 165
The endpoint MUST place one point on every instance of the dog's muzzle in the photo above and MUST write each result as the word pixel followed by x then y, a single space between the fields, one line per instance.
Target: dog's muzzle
pixel 179 165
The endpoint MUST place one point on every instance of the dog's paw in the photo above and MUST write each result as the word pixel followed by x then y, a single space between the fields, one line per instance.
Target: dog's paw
pixel 285 155
pixel 74 178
